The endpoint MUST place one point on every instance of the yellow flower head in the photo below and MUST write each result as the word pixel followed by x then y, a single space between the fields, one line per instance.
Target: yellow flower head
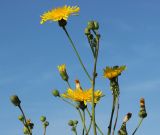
pixel 59 13
pixel 62 68
pixel 111 72
pixel 82 96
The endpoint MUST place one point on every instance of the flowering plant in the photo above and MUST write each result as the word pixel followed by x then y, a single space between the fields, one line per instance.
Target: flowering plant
pixel 81 98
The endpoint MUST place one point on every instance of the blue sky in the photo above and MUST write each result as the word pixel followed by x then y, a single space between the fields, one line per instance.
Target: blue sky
pixel 30 53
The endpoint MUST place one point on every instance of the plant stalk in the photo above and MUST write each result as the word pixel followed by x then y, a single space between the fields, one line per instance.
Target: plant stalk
pixel 139 124
pixel 77 54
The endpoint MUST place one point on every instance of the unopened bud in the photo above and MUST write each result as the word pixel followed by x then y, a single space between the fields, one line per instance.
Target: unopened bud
pixel 21 118
pixel 123 130
pixel 87 31
pixel 43 118
pixel 91 25
pixel 127 117
pixel 142 112
pixel 96 25
pixel 63 72
pixel 71 123
pixel 46 123
pixel 25 130
pixel 75 122
pixel 55 93
pixel 15 100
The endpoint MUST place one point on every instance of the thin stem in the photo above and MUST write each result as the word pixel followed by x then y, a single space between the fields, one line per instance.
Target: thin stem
pixel 77 54
pixel 75 132
pixel 93 86
pixel 111 118
pixel 44 130
pixel 114 128
pixel 140 122
pixel 91 123
pixel 84 122
pixel 68 84
pixel 100 131
pixel 68 102
pixel 91 47
pixel 25 120
pixel 80 114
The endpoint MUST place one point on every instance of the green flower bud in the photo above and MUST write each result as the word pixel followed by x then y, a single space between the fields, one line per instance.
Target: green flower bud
pixel 87 31
pixel 43 118
pixel 96 25
pixel 15 100
pixel 62 23
pixel 46 123
pixel 142 112
pixel 25 130
pixel 91 25
pixel 71 123
pixel 21 118
pixel 123 130
pixel 63 72
pixel 55 93
pixel 75 122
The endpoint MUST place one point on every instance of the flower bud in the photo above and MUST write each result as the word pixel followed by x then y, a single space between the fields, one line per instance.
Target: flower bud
pixel 25 130
pixel 21 118
pixel 15 100
pixel 43 118
pixel 142 112
pixel 91 25
pixel 123 130
pixel 46 123
pixel 87 31
pixel 75 122
pixel 55 93
pixel 63 72
pixel 127 117
pixel 62 23
pixel 71 123
pixel 96 25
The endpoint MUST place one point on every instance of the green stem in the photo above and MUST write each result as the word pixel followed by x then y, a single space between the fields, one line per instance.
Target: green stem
pixel 75 132
pixel 111 118
pixel 140 122
pixel 114 128
pixel 100 131
pixel 93 86
pixel 44 130
pixel 68 84
pixel 91 123
pixel 68 102
pixel 84 122
pixel 77 54
pixel 25 120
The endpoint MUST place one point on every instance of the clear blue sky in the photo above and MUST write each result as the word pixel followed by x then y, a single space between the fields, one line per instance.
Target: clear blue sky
pixel 30 53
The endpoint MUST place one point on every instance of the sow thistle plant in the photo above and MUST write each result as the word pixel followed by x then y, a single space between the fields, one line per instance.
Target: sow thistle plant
pixel 81 98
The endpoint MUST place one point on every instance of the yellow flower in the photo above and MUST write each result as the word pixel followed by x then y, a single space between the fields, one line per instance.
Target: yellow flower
pixel 82 96
pixel 59 13
pixel 111 72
